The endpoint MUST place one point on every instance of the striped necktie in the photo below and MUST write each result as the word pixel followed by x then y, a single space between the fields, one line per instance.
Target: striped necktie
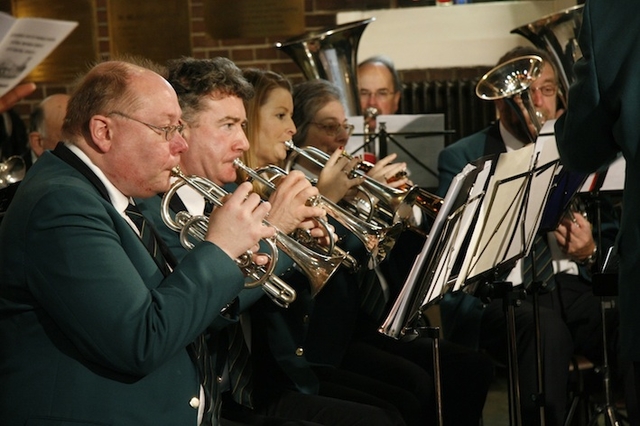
pixel 239 362
pixel 543 265
pixel 148 237
pixel 198 349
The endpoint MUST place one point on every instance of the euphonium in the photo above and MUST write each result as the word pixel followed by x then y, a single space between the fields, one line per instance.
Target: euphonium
pixel 558 34
pixel 510 81
pixel 196 227
pixel 394 203
pixel 12 170
pixel 331 54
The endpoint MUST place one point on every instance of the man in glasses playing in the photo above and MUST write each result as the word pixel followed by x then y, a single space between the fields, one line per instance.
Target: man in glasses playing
pixel 569 313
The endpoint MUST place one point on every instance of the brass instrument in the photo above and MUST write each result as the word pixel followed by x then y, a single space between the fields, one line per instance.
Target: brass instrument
pixel 378 241
pixel 196 227
pixel 12 170
pixel 558 34
pixel 330 54
pixel 394 204
pixel 318 267
pixel 510 81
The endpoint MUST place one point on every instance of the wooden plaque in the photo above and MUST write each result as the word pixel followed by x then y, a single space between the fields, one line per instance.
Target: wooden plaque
pixel 73 56
pixel 155 30
pixel 253 18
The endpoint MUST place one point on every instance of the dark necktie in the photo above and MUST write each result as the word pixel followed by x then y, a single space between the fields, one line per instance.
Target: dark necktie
pixel 148 237
pixel 198 349
pixel 543 265
pixel 239 362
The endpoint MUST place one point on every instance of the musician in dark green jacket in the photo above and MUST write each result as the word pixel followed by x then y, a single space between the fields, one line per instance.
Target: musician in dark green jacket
pixel 94 328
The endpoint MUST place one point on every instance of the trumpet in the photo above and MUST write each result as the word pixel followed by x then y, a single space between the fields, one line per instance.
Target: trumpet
pixel 195 226
pixel 394 204
pixel 377 240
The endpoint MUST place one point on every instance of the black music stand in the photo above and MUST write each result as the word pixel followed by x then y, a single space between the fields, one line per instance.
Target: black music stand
pixel 417 140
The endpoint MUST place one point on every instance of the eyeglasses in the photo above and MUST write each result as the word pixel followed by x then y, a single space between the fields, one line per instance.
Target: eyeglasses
pixel 167 131
pixel 334 130
pixel 546 90
pixel 381 94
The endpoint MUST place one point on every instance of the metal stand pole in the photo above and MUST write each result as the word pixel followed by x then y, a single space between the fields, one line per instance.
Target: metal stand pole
pixel 434 334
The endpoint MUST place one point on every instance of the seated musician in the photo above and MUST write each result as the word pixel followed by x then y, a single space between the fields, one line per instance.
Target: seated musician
pixel 569 312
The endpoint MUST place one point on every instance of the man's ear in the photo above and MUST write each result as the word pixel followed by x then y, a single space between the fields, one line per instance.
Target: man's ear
pixel 35 143
pixel 101 132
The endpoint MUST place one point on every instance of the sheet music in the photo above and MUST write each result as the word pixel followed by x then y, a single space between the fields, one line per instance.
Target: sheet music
pixel 408 302
pixel 460 232
pixel 24 43
pixel 496 214
pixel 545 163
pixel 613 181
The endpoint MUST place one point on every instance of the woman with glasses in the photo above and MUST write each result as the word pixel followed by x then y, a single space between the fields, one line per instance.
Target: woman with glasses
pixel 352 303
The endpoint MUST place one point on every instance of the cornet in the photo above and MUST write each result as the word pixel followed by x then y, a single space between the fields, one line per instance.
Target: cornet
pixel 318 267
pixel 12 170
pixel 258 176
pixel 377 240
pixel 196 227
pixel 394 204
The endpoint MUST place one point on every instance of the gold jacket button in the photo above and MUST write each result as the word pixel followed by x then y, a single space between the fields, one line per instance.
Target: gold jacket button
pixel 300 351
pixel 194 402
pixel 219 379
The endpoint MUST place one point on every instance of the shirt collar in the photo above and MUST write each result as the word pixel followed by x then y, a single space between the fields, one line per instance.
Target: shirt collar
pixel 117 198
pixel 511 143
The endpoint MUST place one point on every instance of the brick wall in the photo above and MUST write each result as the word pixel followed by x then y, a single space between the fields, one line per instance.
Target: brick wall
pixel 256 52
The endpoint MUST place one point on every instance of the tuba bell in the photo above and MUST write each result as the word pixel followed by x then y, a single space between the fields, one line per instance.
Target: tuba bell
pixel 330 54
pixel 558 34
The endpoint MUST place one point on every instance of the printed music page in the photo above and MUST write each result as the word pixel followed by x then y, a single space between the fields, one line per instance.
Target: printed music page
pixel 499 212
pixel 24 43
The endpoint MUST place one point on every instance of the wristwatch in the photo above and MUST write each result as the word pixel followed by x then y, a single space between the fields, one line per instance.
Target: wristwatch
pixel 591 259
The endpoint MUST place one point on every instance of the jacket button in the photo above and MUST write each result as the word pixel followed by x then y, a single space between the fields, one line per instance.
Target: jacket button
pixel 300 351
pixel 219 379
pixel 194 402
pixel 305 319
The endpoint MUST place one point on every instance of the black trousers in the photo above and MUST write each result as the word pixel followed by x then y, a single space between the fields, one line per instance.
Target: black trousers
pixel 569 323
pixel 465 375
pixel 286 408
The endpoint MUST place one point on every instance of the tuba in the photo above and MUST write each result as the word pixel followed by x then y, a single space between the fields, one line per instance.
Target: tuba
pixel 196 227
pixel 558 34
pixel 510 82
pixel 12 171
pixel 330 54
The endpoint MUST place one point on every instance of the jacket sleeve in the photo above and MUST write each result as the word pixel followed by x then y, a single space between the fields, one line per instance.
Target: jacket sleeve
pixel 584 134
pixel 89 272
